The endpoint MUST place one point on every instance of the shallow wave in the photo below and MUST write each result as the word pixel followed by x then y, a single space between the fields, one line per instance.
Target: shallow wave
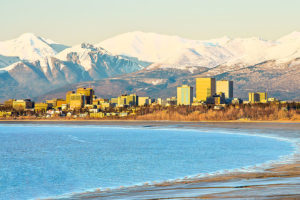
pixel 261 167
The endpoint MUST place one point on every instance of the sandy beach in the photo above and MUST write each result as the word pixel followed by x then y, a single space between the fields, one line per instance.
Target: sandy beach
pixel 278 181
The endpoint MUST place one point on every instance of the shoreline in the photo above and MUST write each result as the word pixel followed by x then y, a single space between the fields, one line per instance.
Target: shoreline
pixel 214 184
pixel 143 121
pixel 278 175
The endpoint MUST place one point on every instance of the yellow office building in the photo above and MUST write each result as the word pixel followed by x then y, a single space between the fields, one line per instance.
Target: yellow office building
pixel 68 96
pixel 41 107
pixel 23 104
pixel 184 95
pixel 205 88
pixel 88 92
pixel 142 101
pixel 77 101
pixel 56 102
pixel 132 100
pixel 225 87
pixel 263 97
pixel 258 97
pixel 128 100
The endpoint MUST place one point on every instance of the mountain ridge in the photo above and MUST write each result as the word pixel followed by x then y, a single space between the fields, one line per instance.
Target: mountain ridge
pixel 160 48
pixel 35 71
pixel 84 63
pixel 281 82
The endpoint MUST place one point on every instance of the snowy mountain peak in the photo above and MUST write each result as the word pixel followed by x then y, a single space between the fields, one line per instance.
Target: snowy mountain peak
pixel 82 50
pixel 291 37
pixel 174 50
pixel 27 36
pixel 151 47
pixel 29 46
pixel 158 48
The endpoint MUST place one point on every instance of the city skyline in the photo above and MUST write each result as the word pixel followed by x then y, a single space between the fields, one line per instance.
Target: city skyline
pixel 95 21
pixel 149 99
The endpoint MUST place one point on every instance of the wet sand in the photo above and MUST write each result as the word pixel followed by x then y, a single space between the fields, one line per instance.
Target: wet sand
pixel 278 181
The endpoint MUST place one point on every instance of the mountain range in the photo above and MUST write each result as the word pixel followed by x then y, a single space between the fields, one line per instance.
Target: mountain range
pixel 148 64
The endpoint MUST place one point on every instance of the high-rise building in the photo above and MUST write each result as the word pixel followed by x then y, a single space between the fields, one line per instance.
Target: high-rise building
pixel 88 92
pixel 263 97
pixel 68 96
pixel 184 95
pixel 23 104
pixel 205 88
pixel 253 97
pixel 159 101
pixel 225 87
pixel 258 97
pixel 128 100
pixel 122 100
pixel 132 100
pixel 142 101
pixel 77 101
pixel 56 102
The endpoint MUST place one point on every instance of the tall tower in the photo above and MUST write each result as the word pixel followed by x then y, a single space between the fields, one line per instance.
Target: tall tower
pixel 225 87
pixel 88 92
pixel 263 97
pixel 77 101
pixel 205 88
pixel 184 95
pixel 68 96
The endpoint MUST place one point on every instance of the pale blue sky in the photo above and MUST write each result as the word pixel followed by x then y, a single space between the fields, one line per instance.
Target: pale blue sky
pixel 75 21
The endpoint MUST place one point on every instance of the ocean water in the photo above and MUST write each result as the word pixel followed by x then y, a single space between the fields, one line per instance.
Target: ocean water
pixel 38 161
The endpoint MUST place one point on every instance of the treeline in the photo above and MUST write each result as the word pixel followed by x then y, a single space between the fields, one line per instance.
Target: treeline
pixel 260 112
pixel 267 112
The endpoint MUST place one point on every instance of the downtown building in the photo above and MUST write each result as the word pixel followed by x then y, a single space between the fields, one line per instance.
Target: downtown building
pixel 258 97
pixel 82 97
pixel 184 95
pixel 205 89
pixel 226 87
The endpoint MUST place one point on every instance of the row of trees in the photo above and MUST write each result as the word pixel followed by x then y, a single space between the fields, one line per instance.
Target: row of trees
pixel 290 111
pixel 272 111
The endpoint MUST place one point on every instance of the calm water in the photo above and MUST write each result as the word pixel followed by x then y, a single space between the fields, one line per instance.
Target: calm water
pixel 44 160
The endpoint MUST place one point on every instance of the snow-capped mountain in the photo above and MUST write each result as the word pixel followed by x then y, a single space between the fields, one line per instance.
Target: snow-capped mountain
pixel 31 65
pixel 98 62
pixel 85 60
pixel 7 60
pixel 174 50
pixel 166 49
pixel 73 65
pixel 28 46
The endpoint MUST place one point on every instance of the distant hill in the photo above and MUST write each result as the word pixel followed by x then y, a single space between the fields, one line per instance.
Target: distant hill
pixel 280 80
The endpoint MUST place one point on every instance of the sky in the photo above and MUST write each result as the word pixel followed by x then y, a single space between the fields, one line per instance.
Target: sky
pixel 75 21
